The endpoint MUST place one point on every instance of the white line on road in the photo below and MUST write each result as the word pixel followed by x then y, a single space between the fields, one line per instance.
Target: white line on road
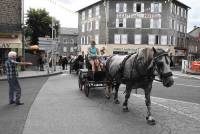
pixel 179 84
pixel 192 114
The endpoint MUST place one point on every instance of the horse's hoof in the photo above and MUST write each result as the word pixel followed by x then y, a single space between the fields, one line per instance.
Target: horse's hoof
pixel 116 102
pixel 125 109
pixel 151 122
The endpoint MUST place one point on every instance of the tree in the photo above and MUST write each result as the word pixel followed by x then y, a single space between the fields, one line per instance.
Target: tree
pixel 38 24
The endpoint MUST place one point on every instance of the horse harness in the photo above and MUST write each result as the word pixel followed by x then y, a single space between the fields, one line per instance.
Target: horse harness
pixel 149 76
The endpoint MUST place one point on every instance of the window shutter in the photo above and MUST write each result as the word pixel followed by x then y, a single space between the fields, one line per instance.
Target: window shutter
pixel 151 23
pixel 117 39
pixel 117 23
pixel 125 7
pixel 137 38
pixel 160 7
pixel 151 39
pixel 152 7
pixel 142 7
pixel 124 23
pixel 159 26
pixel 124 38
pixel 163 40
pixel 117 7
pixel 97 39
pixel 134 7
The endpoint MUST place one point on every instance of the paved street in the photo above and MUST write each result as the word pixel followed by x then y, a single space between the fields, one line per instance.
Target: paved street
pixel 61 108
pixel 12 118
pixel 184 89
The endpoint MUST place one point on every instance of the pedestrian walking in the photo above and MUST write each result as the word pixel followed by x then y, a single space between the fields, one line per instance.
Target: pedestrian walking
pixel 14 86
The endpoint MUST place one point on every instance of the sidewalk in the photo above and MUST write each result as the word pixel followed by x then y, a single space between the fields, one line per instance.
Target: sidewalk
pixel 32 74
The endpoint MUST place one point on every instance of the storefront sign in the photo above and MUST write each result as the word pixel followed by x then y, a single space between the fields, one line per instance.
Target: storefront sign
pixel 138 15
pixel 4 45
pixel 180 53
pixel 124 50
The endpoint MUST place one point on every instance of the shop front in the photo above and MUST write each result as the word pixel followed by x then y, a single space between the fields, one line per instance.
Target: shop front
pixel 8 44
pixel 180 54
pixel 112 49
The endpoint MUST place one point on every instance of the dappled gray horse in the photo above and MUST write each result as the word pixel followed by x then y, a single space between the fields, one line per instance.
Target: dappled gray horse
pixel 138 71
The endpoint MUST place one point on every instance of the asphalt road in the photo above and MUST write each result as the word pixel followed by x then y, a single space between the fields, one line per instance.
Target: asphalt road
pixel 184 89
pixel 12 117
pixel 71 112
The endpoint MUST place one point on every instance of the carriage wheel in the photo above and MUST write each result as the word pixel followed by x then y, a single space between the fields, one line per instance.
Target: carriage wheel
pixel 86 88
pixel 70 69
pixel 80 84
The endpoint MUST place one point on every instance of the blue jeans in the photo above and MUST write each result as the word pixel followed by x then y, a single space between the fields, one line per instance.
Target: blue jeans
pixel 14 88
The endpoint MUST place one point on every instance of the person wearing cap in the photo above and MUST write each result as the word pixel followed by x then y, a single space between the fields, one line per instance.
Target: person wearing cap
pixel 14 87
pixel 93 53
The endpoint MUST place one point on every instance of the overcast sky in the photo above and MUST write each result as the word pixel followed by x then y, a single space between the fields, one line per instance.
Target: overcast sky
pixel 64 10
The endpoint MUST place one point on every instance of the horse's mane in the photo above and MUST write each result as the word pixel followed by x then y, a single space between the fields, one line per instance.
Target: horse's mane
pixel 146 54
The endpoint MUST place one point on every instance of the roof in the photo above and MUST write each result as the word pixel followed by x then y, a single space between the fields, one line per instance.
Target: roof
pixel 98 1
pixel 68 31
pixel 182 3
pixel 196 28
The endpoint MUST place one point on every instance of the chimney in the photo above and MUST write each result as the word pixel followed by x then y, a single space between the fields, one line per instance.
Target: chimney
pixel 195 27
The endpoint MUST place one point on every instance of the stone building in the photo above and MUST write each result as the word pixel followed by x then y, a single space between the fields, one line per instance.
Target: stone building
pixel 68 41
pixel 124 26
pixel 10 27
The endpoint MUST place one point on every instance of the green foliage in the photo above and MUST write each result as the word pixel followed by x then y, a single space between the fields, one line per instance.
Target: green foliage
pixel 39 24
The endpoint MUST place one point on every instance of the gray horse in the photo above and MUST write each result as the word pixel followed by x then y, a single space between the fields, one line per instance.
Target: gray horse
pixel 138 71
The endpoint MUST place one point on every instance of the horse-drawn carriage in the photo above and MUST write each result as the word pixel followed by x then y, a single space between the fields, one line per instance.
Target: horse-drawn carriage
pixel 88 79
pixel 76 64
pixel 136 70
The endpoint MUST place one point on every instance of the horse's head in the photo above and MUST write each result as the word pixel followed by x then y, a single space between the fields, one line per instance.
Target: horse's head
pixel 161 62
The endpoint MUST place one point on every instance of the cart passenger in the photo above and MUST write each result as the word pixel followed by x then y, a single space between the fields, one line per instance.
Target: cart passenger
pixel 93 53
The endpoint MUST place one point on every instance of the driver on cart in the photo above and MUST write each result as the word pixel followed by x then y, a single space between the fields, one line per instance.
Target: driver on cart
pixel 93 53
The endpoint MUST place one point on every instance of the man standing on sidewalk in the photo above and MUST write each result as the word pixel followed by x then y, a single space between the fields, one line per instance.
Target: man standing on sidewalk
pixel 14 87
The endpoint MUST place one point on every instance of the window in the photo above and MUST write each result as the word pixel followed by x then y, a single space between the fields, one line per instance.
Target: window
pixel 156 39
pixel 137 38
pixel 121 39
pixel 121 7
pixel 178 10
pixel 121 23
pixel 124 39
pixel 87 40
pixel 173 24
pixel 82 40
pixel 97 39
pixel 182 12
pixel 151 39
pixel 138 23
pixel 155 23
pixel 96 25
pixel 83 15
pixel 177 27
pixel 156 7
pixel 163 40
pixel 97 11
pixel 90 26
pixel 117 39
pixel 138 7
pixel 83 27
pixel 90 13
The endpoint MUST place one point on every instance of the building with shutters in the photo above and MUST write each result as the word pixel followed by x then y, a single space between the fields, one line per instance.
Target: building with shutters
pixel 124 26
pixel 67 41
pixel 10 27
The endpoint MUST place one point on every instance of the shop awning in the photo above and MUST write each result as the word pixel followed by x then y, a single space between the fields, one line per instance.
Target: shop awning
pixel 10 43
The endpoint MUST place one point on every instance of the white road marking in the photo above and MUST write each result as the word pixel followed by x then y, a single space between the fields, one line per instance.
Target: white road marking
pixel 186 85
pixel 195 114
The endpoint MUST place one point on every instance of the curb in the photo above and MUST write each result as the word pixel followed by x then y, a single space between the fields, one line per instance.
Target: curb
pixel 35 76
